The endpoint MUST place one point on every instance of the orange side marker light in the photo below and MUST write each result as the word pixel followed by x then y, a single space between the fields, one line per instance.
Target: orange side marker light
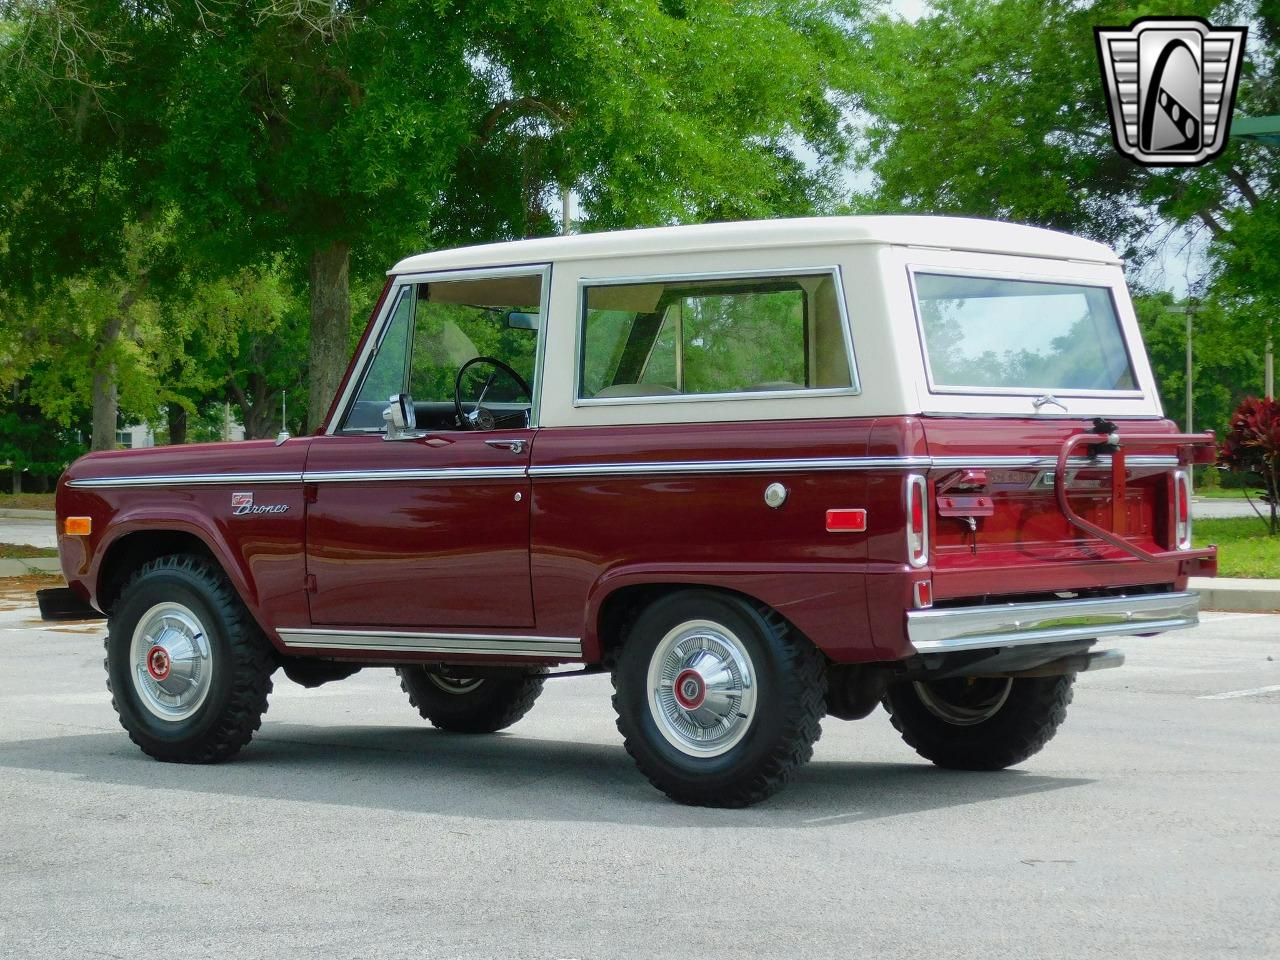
pixel 78 526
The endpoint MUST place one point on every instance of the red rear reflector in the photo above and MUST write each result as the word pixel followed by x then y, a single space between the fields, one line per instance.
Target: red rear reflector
pixel 924 593
pixel 846 521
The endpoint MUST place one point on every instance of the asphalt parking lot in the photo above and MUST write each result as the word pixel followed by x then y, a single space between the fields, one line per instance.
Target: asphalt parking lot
pixel 1149 828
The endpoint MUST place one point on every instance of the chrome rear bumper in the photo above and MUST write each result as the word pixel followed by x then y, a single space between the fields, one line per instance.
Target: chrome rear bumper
pixel 942 630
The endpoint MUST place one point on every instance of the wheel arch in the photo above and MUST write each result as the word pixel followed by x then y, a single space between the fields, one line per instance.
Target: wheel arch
pixel 828 609
pixel 134 546
pixel 614 609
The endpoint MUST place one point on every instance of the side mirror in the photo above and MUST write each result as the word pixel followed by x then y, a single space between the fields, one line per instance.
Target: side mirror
pixel 400 417
pixel 517 320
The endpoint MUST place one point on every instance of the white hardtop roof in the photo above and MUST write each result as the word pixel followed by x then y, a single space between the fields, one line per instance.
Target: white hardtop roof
pixel 954 233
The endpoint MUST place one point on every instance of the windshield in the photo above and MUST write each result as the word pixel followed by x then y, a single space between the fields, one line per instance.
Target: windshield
pixel 983 333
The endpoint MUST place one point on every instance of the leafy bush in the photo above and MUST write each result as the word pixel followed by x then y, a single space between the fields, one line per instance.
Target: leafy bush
pixel 1252 445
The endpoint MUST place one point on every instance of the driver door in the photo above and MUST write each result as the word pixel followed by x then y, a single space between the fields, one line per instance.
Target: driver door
pixel 432 530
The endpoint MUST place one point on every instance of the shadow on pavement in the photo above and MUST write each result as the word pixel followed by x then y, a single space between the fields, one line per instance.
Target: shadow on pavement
pixel 509 777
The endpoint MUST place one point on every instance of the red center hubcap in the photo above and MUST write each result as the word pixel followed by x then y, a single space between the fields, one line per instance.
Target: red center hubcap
pixel 690 689
pixel 158 663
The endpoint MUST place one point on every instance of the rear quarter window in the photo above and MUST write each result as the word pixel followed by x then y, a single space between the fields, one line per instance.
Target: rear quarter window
pixel 713 337
pixel 988 334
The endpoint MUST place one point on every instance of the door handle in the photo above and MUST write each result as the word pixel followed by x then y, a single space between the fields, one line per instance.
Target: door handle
pixel 515 446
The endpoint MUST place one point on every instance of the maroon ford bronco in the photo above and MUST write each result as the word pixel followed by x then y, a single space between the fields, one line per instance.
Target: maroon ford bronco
pixel 761 473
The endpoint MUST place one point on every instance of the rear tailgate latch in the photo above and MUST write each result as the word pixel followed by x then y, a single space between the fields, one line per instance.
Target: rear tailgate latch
pixel 969 500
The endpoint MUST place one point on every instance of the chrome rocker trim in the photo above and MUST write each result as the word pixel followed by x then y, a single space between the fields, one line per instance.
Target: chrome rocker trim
pixel 484 644
pixel 943 630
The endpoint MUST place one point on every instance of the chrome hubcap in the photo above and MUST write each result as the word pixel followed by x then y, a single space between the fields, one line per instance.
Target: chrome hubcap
pixel 172 667
pixel 702 690
pixel 454 684
pixel 964 702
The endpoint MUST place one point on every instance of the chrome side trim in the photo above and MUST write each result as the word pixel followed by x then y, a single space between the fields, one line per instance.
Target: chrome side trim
pixel 186 480
pixel 447 473
pixel 1015 462
pixel 943 630
pixel 728 466
pixel 656 468
pixel 483 644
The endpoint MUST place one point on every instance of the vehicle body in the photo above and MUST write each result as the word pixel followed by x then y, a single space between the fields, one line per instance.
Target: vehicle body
pixel 913 449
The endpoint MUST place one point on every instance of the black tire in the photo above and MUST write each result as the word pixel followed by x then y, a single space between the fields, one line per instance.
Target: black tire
pixel 240 662
pixel 483 705
pixel 1018 728
pixel 790 701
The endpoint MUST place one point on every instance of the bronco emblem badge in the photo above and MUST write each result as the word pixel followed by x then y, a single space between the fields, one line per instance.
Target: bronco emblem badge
pixel 1171 85
pixel 242 505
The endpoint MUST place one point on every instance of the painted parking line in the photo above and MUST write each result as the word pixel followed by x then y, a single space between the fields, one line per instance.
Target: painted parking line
pixel 1232 694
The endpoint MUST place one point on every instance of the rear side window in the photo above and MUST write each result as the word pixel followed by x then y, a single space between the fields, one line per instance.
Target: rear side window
pixel 703 337
pixel 991 334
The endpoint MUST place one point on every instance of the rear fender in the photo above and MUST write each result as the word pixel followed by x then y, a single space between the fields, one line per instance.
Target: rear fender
pixel 824 602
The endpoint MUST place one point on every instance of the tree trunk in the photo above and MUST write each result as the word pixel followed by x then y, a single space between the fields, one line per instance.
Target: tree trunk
pixel 177 415
pixel 106 408
pixel 106 392
pixel 330 328
pixel 17 479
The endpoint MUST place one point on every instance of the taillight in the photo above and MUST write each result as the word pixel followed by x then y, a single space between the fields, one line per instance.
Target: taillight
pixel 917 520
pixel 1181 510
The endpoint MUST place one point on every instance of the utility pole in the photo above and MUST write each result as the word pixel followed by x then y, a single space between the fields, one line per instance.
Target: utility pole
pixel 566 211
pixel 1190 426
pixel 1187 310
pixel 1269 366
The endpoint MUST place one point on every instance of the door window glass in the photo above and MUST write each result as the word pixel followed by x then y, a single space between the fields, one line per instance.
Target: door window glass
pixel 435 331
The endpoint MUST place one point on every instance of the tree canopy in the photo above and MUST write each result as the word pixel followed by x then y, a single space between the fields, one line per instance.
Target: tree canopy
pixel 995 108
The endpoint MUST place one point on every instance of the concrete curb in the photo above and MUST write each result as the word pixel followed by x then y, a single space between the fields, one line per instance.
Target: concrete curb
pixel 25 568
pixel 1237 594
pixel 14 513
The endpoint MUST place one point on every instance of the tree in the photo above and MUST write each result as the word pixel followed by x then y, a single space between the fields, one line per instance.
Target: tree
pixel 335 134
pixel 328 132
pixel 32 444
pixel 1252 445
pixel 1226 357
pixel 78 174
pixel 1008 92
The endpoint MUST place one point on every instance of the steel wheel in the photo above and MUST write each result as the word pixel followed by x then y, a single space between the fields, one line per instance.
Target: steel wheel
pixel 965 701
pixel 171 664
pixel 702 689
pixel 454 685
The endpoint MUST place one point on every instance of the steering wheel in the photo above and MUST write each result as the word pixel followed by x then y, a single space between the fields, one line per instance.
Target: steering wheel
pixel 481 418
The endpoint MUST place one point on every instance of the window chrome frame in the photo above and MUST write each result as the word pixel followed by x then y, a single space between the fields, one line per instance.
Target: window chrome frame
pixel 846 332
pixel 979 274
pixel 351 390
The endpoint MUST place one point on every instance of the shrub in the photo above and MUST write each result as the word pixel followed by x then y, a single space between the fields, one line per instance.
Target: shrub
pixel 1252 445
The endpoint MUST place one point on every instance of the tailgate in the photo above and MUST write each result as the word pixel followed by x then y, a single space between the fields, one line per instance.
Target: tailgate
pixel 999 525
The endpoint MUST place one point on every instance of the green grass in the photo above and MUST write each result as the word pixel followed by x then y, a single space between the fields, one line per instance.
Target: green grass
pixel 1244 548
pixel 22 551
pixel 26 501
pixel 1223 493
